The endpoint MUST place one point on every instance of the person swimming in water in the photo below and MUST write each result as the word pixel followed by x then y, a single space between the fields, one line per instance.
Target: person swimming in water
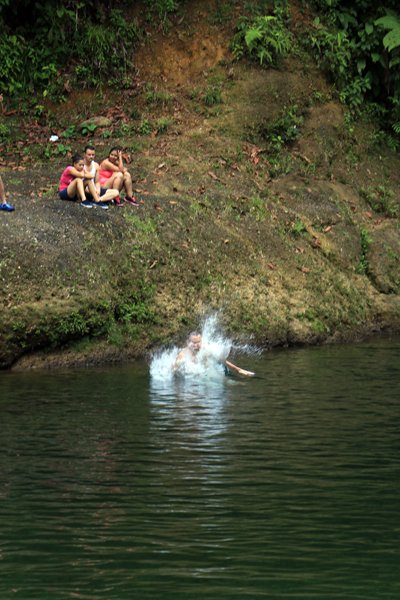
pixel 191 353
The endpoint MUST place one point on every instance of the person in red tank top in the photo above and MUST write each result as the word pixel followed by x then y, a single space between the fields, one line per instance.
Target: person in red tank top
pixel 73 181
pixel 114 175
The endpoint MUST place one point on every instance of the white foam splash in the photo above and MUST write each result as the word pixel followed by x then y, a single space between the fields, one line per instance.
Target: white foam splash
pixel 215 349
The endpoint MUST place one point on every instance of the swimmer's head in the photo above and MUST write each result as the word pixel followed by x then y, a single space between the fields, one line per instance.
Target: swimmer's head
pixel 194 342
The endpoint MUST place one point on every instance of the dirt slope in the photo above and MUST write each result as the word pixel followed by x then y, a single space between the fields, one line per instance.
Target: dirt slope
pixel 299 246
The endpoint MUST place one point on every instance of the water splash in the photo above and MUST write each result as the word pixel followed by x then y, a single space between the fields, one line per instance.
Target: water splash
pixel 215 349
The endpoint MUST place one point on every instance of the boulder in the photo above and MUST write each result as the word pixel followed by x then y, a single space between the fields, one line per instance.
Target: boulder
pixel 98 121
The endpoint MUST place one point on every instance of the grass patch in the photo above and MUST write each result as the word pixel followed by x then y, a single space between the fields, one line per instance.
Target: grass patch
pixel 365 241
pixel 381 200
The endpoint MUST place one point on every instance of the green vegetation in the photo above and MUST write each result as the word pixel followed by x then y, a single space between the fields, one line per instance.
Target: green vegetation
pixel 44 46
pixel 161 10
pixel 218 225
pixel 298 228
pixel 145 230
pixel 31 57
pixel 88 129
pixel 258 208
pixel 53 331
pixel 157 97
pixel 4 132
pixel 264 38
pixel 104 319
pixel 145 127
pixel 359 45
pixel 283 130
pixel 136 309
pixel 212 96
pixel 365 241
pixel 381 200
pixel 162 124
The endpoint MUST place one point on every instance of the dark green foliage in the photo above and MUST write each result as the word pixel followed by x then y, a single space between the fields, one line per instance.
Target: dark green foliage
pixel 358 42
pixel 265 38
pixel 49 42
pixel 391 41
pixel 365 242
pixel 137 307
pixel 161 9
pixel 53 332
pixel 97 40
pixel 109 45
pixel 12 49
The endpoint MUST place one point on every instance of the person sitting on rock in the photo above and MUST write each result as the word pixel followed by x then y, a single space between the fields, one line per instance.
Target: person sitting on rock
pixel 4 205
pixel 91 167
pixel 114 175
pixel 73 182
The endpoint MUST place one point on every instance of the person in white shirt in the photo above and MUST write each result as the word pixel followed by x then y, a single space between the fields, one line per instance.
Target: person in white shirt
pixel 92 169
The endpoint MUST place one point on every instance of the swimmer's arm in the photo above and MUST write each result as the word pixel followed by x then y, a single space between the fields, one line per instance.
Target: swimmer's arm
pixel 238 370
pixel 179 360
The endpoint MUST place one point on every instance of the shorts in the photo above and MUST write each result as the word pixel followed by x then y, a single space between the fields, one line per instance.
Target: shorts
pixel 64 195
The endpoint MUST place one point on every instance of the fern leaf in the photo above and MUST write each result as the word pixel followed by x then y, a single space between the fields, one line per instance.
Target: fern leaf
pixel 251 36
pixel 391 39
pixel 396 127
pixel 388 22
pixel 265 56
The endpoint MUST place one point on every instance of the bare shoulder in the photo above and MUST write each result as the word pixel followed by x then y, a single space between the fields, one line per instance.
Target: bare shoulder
pixel 181 354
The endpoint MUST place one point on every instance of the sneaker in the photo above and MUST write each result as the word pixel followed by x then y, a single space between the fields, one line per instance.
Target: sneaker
pixel 131 200
pixel 117 201
pixel 7 207
pixel 101 205
pixel 87 204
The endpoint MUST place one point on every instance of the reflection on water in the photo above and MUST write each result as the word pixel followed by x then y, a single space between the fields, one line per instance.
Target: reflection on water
pixel 115 484
pixel 196 401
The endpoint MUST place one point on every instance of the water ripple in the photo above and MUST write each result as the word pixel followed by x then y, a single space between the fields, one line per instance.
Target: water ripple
pixel 285 486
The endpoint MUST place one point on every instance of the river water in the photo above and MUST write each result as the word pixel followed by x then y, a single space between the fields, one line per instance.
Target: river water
pixel 118 485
